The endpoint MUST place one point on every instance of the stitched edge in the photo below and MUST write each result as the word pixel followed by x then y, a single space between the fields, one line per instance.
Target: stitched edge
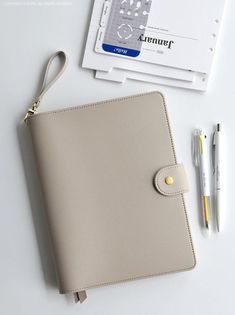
pixel 126 280
pixel 82 107
pixel 158 183
pixel 182 196
pixel 91 105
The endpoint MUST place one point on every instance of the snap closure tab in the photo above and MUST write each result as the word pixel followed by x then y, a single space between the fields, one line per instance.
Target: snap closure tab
pixel 171 180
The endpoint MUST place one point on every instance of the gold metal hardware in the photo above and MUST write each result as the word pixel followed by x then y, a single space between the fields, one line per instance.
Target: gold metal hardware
pixel 169 180
pixel 31 111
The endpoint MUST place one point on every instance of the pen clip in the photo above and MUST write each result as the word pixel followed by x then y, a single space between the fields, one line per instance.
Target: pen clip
pixel 213 151
pixel 195 147
pixel 215 145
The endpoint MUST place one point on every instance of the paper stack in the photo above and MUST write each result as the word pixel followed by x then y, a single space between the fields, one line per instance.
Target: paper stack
pixel 169 42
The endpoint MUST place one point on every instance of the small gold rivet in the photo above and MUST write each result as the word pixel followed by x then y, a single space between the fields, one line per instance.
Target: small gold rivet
pixel 169 180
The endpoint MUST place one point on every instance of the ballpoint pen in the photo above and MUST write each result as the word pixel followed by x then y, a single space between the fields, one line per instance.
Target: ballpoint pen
pixel 201 161
pixel 217 173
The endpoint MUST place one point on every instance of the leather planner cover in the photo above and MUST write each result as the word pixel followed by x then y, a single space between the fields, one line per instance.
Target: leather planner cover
pixel 113 191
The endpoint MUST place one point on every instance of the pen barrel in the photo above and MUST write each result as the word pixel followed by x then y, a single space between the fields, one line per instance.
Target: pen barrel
pixel 203 165
pixel 218 175
pixel 206 208
pixel 218 204
pixel 218 161
pixel 204 172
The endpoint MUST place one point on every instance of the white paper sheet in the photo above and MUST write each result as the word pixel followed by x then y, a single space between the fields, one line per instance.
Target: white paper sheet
pixel 179 33
pixel 97 61
pixel 199 83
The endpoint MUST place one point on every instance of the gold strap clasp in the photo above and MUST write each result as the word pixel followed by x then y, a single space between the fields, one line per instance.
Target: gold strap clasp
pixel 31 111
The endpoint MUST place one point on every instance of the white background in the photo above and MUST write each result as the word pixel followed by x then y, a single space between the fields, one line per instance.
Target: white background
pixel 29 35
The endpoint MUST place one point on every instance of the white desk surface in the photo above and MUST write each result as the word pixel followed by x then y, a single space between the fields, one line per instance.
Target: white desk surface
pixel 29 33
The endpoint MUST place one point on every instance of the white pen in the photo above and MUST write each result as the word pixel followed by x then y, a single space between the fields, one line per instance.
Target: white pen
pixel 202 162
pixel 217 173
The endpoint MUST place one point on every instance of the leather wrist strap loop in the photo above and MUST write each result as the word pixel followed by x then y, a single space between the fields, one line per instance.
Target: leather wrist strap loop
pixel 47 85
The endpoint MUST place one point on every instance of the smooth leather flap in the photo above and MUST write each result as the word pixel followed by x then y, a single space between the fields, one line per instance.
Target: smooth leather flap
pixel 171 180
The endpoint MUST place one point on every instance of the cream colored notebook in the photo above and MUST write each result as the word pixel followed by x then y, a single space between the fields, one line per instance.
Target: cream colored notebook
pixel 113 192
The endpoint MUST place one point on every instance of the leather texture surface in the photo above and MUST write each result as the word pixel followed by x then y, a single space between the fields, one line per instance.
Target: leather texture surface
pixel 97 165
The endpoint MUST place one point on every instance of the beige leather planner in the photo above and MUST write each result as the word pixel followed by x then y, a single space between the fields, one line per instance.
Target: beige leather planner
pixel 113 191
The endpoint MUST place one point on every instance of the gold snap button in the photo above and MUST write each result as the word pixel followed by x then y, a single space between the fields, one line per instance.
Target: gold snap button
pixel 169 180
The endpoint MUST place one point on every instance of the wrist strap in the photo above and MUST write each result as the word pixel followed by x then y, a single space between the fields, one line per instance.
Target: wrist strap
pixel 47 85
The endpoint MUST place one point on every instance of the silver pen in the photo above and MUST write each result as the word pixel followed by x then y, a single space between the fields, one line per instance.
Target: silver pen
pixel 217 142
